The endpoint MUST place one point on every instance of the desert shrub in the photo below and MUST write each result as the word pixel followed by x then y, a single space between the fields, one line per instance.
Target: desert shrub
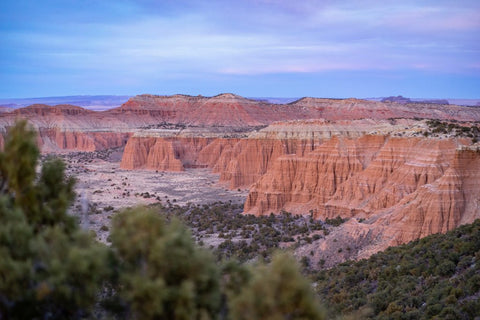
pixel 336 221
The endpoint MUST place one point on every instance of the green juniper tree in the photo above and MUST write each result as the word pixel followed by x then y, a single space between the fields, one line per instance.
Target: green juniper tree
pixel 276 291
pixel 163 275
pixel 49 268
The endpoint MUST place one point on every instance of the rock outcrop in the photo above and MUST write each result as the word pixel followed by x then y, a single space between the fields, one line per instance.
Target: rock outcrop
pixel 364 160
pixel 164 154
pixel 69 128
pixel 239 159
pixel 439 206
pixel 404 185
pixel 240 162
pixel 52 140
pixel 401 187
pixel 351 177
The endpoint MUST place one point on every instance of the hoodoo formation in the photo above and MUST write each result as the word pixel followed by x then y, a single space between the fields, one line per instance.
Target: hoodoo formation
pixel 381 164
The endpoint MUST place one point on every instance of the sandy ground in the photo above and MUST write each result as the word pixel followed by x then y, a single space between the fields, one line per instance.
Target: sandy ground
pixel 103 188
pixel 106 185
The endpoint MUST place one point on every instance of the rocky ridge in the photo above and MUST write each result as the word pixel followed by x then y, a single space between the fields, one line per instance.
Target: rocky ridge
pixel 228 111
pixel 363 160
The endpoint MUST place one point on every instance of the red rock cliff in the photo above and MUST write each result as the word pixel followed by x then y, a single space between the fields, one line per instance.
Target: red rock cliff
pixel 439 206
pixel 55 139
pixel 240 162
pixel 163 154
pixel 70 128
pixel 404 187
pixel 351 177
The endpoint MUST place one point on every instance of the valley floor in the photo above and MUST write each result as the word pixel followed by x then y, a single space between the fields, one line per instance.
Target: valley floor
pixel 102 187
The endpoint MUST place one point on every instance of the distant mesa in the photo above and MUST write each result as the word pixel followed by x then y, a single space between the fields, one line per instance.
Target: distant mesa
pixel 397 99
pixel 97 102
pixel 434 101
pixel 404 100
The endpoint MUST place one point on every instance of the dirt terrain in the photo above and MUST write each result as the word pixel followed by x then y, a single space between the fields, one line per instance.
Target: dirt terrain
pixel 103 188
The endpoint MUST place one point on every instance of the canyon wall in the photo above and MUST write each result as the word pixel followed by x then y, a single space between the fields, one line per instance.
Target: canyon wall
pixel 56 140
pixel 242 159
pixel 240 162
pixel 400 184
pixel 160 153
pixel 439 206
pixel 351 177
pixel 395 188
pixel 69 128
pixel 52 140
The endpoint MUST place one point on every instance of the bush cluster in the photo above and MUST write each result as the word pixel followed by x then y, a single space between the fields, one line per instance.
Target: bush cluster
pixel 442 127
pixel 434 277
pixel 244 236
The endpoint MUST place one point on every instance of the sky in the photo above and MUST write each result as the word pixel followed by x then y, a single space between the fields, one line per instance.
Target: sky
pixel 254 48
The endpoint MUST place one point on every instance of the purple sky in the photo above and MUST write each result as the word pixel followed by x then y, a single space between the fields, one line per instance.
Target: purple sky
pixel 250 47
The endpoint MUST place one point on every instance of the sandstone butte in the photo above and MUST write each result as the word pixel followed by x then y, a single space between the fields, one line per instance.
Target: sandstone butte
pixel 367 161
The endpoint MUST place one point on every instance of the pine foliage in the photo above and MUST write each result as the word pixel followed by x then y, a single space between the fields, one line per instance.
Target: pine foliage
pixel 49 268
